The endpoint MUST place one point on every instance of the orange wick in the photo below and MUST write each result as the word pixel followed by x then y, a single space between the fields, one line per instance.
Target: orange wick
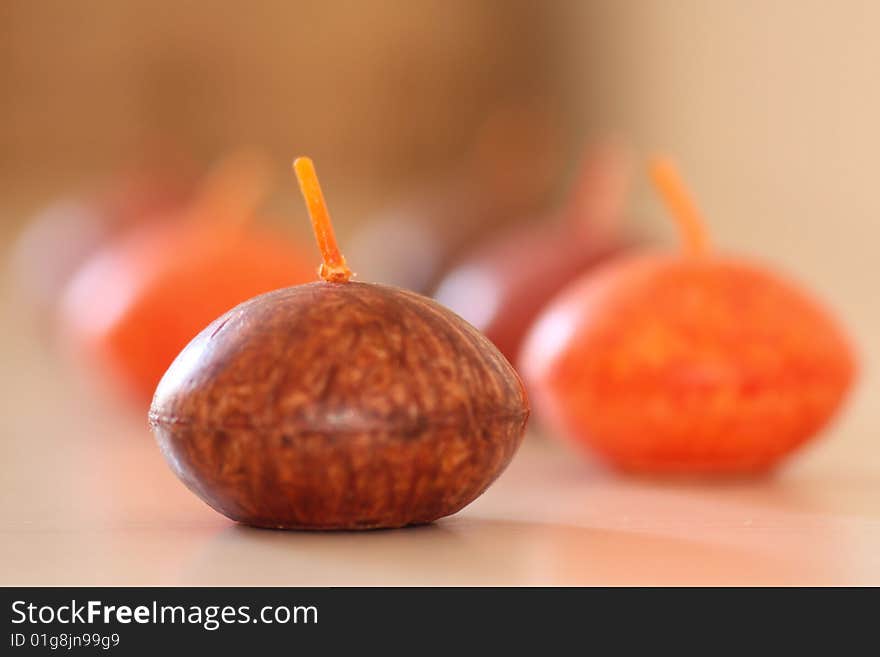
pixel 333 269
pixel 672 190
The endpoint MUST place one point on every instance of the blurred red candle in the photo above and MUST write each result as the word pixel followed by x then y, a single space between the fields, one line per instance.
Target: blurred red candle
pixel 687 362
pixel 502 285
pixel 138 302
pixel 506 173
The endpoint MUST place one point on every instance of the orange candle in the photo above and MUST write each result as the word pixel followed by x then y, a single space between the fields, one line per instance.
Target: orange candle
pixel 142 298
pixel 689 362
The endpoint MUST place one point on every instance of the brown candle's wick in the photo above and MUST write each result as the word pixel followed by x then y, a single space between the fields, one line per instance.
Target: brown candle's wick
pixel 681 206
pixel 233 189
pixel 333 269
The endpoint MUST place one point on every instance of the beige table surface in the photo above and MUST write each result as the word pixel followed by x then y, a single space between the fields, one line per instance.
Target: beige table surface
pixel 85 498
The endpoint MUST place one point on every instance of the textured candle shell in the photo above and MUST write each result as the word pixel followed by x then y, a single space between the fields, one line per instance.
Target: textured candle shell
pixel 339 406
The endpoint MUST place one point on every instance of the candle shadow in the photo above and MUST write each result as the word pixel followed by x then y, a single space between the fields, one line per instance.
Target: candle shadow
pixel 477 551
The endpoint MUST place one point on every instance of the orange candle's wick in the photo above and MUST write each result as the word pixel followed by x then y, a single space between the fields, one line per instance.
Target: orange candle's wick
pixel 672 190
pixel 333 269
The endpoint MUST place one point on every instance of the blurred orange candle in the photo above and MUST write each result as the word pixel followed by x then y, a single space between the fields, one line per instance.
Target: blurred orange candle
pixel 138 302
pixel 61 237
pixel 687 363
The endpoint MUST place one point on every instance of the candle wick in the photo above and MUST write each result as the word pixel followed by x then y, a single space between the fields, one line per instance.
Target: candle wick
pixel 596 201
pixel 333 269
pixel 232 190
pixel 681 206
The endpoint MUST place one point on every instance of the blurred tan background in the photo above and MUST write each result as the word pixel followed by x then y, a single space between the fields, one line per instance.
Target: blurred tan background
pixel 770 106
pixel 376 92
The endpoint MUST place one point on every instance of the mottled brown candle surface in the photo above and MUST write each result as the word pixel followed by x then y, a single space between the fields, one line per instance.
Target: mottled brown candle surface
pixel 339 406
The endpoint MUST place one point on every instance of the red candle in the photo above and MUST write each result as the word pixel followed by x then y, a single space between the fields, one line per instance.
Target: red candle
pixel 506 173
pixel 501 286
